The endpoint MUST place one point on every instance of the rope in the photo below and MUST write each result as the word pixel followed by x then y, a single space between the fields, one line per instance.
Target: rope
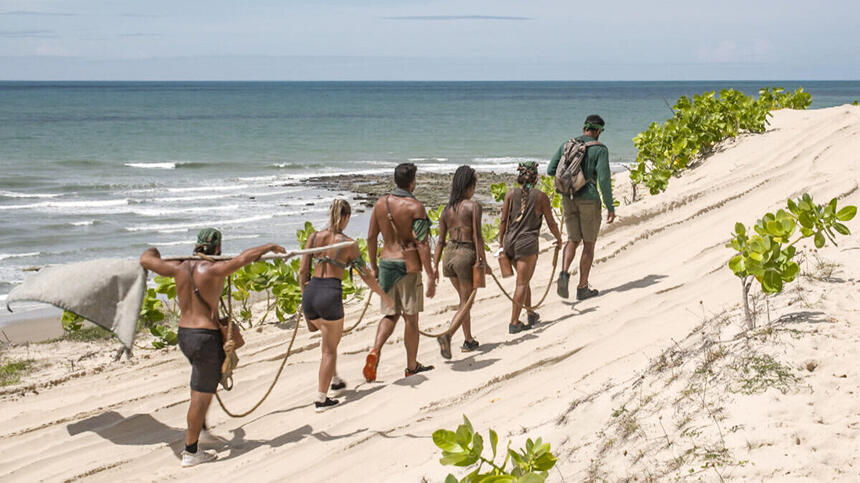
pixel 360 317
pixel 455 322
pixel 532 308
pixel 274 381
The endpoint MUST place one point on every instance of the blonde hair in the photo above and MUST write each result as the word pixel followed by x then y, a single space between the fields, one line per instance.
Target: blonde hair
pixel 337 214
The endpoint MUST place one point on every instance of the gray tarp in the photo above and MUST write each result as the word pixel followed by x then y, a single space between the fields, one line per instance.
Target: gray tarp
pixel 107 292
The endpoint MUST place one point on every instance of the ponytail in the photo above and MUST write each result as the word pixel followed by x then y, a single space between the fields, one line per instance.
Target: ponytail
pixel 338 212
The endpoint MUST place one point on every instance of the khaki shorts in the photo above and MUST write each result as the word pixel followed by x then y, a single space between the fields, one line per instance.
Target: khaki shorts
pixel 581 218
pixel 408 295
pixel 458 260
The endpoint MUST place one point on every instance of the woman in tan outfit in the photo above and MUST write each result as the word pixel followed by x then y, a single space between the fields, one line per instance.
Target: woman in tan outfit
pixel 463 245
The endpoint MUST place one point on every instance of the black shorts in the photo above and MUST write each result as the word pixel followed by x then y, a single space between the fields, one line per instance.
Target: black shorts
pixel 323 299
pixel 204 348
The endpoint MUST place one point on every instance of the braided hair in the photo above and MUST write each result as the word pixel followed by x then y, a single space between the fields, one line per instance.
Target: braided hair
pixel 527 173
pixel 339 211
pixel 464 178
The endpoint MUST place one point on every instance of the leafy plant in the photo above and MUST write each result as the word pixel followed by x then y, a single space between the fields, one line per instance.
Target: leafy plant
pixel 72 322
pixel 303 234
pixel 490 232
pixel 434 216
pixel 698 125
pixel 767 253
pixel 464 447
pixel 499 190
pixel 150 310
pixel 164 336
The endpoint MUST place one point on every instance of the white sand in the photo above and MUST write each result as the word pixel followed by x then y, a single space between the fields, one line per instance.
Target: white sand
pixel 659 268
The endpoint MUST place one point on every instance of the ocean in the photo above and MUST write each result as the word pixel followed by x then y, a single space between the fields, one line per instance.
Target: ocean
pixel 107 169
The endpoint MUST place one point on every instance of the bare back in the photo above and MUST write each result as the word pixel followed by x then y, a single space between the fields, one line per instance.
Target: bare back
pixel 340 255
pixel 459 221
pixel 194 314
pixel 404 211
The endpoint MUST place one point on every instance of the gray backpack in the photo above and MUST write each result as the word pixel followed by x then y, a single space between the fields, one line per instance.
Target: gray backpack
pixel 569 177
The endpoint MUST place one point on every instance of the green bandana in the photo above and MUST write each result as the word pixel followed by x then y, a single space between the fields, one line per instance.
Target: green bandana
pixel 590 126
pixel 530 170
pixel 207 240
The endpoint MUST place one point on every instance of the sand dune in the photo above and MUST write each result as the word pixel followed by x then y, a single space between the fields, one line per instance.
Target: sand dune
pixel 661 270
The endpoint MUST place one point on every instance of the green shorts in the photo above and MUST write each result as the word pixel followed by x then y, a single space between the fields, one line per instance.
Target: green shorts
pixel 581 218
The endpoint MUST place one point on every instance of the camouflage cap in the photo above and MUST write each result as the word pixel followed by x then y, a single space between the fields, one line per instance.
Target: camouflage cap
pixel 207 239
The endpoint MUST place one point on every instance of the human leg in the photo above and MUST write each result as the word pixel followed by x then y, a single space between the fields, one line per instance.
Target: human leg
pixel 331 331
pixel 585 263
pixel 197 408
pixel 525 269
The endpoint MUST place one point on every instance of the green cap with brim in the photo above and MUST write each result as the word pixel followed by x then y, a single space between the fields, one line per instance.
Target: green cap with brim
pixel 208 238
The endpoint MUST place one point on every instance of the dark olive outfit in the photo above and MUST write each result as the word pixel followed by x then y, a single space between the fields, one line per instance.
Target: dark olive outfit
pixel 204 349
pixel 460 255
pixel 521 237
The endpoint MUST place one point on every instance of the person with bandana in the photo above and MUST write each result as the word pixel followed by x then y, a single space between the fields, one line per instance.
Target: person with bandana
pixel 582 211
pixel 523 211
pixel 405 228
pixel 199 285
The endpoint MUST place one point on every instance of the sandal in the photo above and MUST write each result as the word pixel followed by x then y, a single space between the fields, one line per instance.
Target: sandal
pixel 370 366
pixel 418 368
pixel 444 345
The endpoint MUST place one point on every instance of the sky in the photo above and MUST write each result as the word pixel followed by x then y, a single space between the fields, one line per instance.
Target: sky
pixel 429 40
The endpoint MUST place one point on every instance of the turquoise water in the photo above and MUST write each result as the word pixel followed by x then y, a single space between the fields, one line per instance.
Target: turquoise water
pixel 95 169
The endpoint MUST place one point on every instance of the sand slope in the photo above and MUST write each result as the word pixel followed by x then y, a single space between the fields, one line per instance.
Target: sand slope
pixel 659 267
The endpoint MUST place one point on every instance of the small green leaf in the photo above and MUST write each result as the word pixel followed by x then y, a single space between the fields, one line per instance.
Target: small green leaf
pixel 841 228
pixel 455 459
pixel 494 441
pixel 846 213
pixel 740 229
pixel 819 240
pixel 446 440
pixel 531 478
pixel 451 479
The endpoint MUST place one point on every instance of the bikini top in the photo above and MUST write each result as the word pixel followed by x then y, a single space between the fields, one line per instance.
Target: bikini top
pixel 350 264
pixel 460 227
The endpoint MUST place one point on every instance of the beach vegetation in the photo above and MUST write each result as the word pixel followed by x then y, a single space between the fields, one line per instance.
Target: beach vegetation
pixel 766 253
pixel 11 371
pixel 698 125
pixel 75 329
pixel 465 448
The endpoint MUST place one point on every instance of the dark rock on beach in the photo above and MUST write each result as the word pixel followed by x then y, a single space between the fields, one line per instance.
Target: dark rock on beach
pixel 432 189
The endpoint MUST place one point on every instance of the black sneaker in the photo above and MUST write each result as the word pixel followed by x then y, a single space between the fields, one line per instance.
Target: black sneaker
pixel 338 386
pixel 444 345
pixel 563 279
pixel 516 328
pixel 327 404
pixel 585 293
pixel 418 368
pixel 533 318
pixel 469 346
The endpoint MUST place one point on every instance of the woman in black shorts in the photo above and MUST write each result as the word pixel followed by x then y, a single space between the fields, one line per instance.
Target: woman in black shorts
pixel 322 295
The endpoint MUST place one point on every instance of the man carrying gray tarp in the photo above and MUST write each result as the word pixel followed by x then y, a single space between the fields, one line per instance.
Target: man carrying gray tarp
pixel 199 285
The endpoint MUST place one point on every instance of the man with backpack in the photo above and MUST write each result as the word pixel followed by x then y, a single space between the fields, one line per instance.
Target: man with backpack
pixel 579 166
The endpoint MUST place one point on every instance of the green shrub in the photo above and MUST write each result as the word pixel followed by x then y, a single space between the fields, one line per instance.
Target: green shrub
pixel 465 448
pixel 698 125
pixel 767 253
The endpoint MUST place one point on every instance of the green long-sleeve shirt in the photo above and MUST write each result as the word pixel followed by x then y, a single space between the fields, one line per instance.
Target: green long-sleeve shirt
pixel 595 166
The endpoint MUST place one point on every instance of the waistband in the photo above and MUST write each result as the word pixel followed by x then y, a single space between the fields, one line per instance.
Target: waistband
pixel 326 281
pixel 464 244
pixel 192 330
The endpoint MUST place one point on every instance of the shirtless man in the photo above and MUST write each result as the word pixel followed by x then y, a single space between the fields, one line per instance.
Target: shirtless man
pixel 199 336
pixel 413 228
